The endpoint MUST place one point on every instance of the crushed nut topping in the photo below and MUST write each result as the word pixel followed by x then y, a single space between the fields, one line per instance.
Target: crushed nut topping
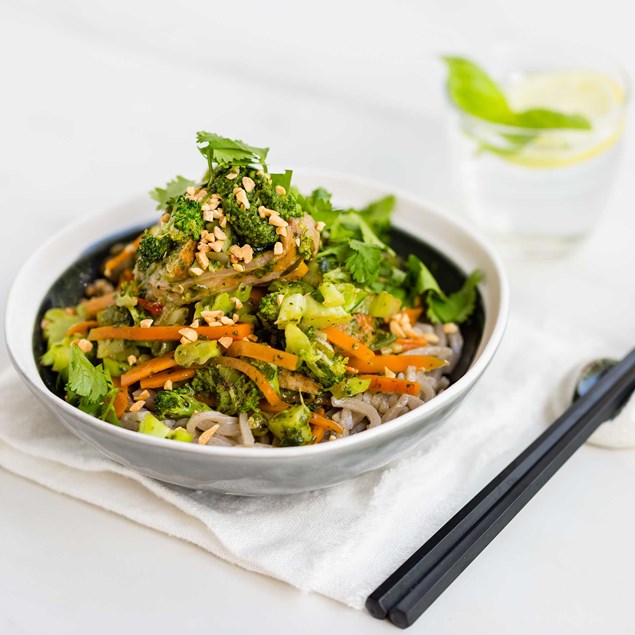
pixel 146 324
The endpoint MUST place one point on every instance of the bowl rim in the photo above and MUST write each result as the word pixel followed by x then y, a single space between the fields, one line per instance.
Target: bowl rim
pixel 344 445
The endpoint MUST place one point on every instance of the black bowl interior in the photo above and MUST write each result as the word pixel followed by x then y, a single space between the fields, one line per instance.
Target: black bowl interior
pixel 69 288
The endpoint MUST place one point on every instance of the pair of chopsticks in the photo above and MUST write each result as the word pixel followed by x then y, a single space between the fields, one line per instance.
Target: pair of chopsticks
pixel 416 584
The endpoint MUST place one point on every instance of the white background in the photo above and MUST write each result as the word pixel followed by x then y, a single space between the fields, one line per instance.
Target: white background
pixel 101 100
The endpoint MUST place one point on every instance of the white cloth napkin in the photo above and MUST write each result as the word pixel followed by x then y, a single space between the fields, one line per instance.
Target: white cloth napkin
pixel 341 542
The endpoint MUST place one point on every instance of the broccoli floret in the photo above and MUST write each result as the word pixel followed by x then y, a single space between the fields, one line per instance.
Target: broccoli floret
pixel 186 220
pixel 258 423
pixel 233 391
pixel 115 316
pixel 152 249
pixel 317 355
pixel 177 403
pixel 291 426
pixel 268 309
pixel 246 223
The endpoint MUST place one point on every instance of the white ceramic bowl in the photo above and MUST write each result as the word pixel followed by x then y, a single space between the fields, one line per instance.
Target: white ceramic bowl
pixel 245 471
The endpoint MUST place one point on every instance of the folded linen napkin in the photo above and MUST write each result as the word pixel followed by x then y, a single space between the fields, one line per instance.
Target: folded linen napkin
pixel 325 541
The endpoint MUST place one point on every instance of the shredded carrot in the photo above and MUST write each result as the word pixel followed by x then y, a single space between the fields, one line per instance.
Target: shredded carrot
pixel 122 257
pixel 263 353
pixel 299 272
pixel 396 363
pixel 265 406
pixel 392 384
pixel 318 433
pixel 120 403
pixel 414 314
pixel 254 374
pixel 81 327
pixel 93 306
pixel 137 373
pixel 176 375
pixel 323 422
pixel 167 333
pixel 351 346
pixel 408 343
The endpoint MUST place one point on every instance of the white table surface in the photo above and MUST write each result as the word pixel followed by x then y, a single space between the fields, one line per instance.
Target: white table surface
pixel 101 100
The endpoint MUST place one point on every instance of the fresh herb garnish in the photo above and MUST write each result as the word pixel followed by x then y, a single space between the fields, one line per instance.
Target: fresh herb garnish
pixel 440 307
pixel 90 387
pixel 477 94
pixel 176 187
pixel 363 261
pixel 224 151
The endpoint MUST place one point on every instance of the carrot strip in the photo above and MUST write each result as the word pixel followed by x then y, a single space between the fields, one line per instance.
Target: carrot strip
pixel 318 433
pixel 120 402
pixel 323 422
pixel 263 353
pixel 122 257
pixel 408 343
pixel 254 374
pixel 392 384
pixel 299 272
pixel 137 373
pixel 167 333
pixel 81 327
pixel 158 380
pixel 93 306
pixel 351 346
pixel 396 363
pixel 414 314
pixel 265 406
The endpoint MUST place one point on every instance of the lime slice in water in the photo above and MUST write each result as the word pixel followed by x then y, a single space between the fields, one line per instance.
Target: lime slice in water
pixel 594 95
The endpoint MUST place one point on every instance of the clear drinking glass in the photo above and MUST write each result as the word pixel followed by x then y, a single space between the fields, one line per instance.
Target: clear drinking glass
pixel 540 192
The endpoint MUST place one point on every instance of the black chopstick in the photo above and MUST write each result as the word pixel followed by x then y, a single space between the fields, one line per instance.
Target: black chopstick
pixel 412 588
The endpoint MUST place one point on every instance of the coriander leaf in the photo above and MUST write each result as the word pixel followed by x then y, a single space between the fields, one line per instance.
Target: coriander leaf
pixel 224 151
pixel 420 279
pixel 364 261
pixel 377 214
pixel 86 380
pixel 458 306
pixel 319 206
pixel 176 187
pixel 475 92
pixel 283 179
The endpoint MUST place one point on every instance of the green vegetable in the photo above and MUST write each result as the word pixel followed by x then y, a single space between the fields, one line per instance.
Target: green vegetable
pixel 377 215
pixel 456 307
pixel 258 423
pixel 292 309
pixel 152 426
pixel 224 151
pixel 283 179
pixel 196 353
pixel 90 388
pixel 222 302
pixel 233 391
pixel 291 426
pixel 118 350
pixel 268 309
pixel 152 249
pixel 383 305
pixel 58 357
pixel 319 206
pixel 178 403
pixel 176 187
pixel 114 367
pixel 319 316
pixel 58 321
pixel 185 222
pixel 363 261
pixel 115 316
pixel 331 294
pixel 350 387
pixel 477 94
pixel 317 355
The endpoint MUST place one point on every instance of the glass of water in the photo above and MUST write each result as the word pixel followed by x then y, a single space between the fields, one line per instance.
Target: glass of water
pixel 539 192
